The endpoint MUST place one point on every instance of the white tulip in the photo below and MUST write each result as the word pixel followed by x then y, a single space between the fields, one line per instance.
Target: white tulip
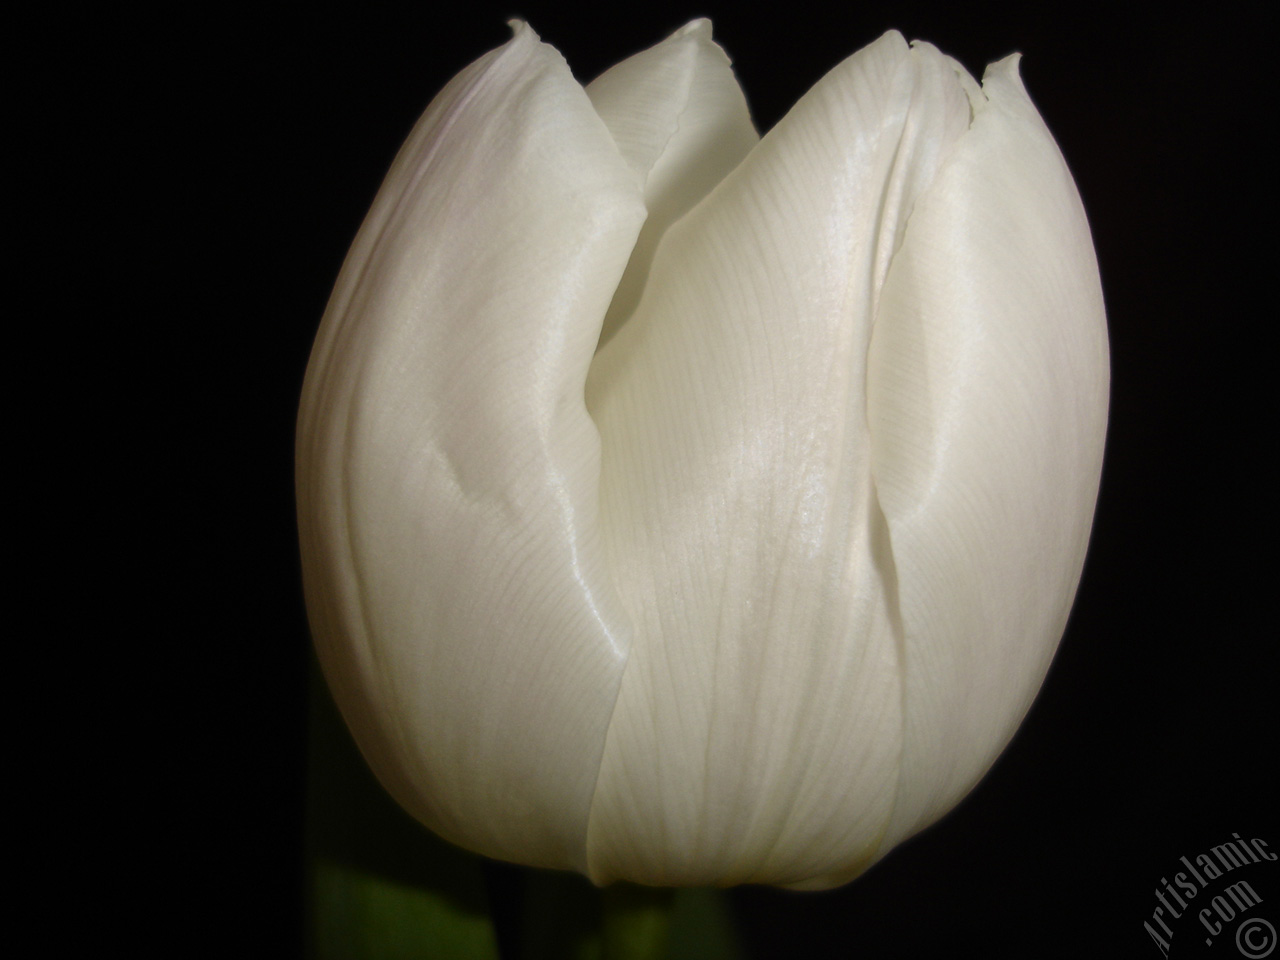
pixel 687 509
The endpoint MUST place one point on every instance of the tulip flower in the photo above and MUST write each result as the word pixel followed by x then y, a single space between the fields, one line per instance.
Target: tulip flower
pixel 685 507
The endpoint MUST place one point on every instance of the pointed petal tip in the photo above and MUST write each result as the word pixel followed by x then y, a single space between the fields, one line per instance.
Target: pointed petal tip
pixel 521 30
pixel 699 32
pixel 896 37
pixel 700 28
pixel 1002 84
pixel 1004 71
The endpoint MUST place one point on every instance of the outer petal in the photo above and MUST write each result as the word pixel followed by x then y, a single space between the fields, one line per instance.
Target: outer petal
pixel 757 732
pixel 447 469
pixel 679 117
pixel 988 405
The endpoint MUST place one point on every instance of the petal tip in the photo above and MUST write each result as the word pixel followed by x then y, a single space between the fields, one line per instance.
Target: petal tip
pixel 520 30
pixel 1004 71
pixel 699 28
pixel 895 37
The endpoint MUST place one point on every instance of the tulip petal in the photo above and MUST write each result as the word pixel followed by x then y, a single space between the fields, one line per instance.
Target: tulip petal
pixel 680 119
pixel 447 469
pixel 759 725
pixel 988 405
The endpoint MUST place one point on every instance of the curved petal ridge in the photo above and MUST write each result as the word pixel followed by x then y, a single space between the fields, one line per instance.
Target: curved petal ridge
pixel 987 395
pixel 444 439
pixel 736 500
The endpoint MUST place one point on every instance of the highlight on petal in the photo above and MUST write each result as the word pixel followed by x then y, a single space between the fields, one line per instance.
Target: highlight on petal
pixel 447 470
pixel 759 725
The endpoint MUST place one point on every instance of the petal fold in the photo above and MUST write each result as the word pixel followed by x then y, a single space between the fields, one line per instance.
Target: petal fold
pixel 680 119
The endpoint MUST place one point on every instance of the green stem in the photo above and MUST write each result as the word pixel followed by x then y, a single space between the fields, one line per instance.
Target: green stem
pixel 635 921
pixel 381 887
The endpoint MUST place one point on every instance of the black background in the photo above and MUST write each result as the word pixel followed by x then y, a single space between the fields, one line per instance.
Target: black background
pixel 239 152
